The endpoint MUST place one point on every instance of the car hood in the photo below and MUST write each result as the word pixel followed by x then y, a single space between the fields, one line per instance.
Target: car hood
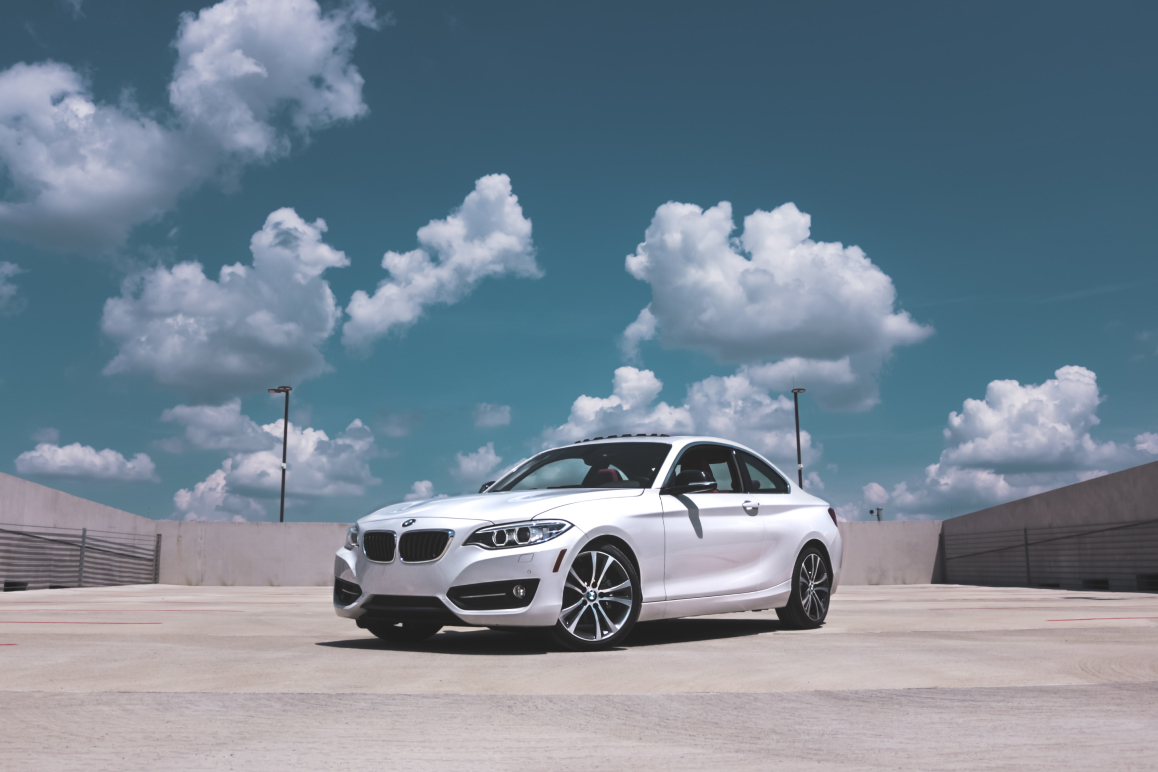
pixel 496 507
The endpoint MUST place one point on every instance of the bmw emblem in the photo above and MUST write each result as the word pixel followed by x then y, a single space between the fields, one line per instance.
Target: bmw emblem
pixel 408 522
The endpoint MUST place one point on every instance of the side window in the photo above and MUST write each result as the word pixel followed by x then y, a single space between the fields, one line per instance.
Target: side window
pixel 717 461
pixel 761 477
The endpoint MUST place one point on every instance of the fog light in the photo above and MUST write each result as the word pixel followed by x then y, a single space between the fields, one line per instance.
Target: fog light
pixel 519 591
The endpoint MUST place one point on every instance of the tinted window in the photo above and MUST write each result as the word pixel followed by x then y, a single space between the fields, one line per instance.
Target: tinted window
pixel 761 477
pixel 717 461
pixel 607 465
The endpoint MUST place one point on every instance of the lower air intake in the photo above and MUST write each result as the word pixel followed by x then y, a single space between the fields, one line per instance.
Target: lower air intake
pixel 423 546
pixel 345 592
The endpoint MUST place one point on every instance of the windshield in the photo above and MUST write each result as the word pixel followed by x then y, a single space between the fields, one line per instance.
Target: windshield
pixel 607 465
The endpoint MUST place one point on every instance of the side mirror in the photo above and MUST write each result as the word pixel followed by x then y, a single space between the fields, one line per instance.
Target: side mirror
pixel 691 481
pixel 486 485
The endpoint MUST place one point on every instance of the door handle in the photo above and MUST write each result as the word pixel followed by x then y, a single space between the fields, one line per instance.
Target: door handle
pixel 751 507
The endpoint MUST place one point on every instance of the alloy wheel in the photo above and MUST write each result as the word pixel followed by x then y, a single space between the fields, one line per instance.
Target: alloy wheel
pixel 815 587
pixel 597 597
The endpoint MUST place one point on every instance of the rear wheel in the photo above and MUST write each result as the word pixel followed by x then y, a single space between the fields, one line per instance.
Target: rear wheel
pixel 811 591
pixel 601 600
pixel 405 632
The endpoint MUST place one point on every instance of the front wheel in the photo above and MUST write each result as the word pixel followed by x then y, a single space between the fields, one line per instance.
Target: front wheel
pixel 405 632
pixel 811 591
pixel 601 600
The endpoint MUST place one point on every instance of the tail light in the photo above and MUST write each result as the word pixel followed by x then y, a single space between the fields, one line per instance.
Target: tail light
pixel 832 514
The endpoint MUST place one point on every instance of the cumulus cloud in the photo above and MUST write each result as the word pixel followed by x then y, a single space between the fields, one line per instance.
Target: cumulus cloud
pixel 487 236
pixel 487 416
pixel 83 462
pixel 1148 442
pixel 473 468
pixel 874 493
pixel 422 490
pixel 243 63
pixel 252 326
pixel 731 407
pixel 771 299
pixel 218 427
pixel 1029 428
pixel 210 499
pixel 316 467
pixel 250 76
pixel 1020 440
pixel 643 328
pixel 10 302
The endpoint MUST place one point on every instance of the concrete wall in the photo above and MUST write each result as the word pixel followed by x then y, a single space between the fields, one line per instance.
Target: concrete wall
pixel 249 554
pixel 26 503
pixel 1131 494
pixel 302 554
pixel 891 553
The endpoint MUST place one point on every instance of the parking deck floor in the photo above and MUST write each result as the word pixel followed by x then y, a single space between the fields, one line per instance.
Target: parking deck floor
pixel 917 677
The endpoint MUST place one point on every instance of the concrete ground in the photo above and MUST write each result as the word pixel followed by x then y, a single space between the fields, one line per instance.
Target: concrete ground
pixel 256 678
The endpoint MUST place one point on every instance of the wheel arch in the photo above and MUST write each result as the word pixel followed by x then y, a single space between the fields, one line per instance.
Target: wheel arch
pixel 616 542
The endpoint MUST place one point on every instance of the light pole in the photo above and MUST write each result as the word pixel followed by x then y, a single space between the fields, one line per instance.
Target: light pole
pixel 876 512
pixel 799 464
pixel 284 439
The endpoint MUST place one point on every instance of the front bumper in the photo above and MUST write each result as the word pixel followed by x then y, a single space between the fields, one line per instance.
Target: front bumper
pixel 401 591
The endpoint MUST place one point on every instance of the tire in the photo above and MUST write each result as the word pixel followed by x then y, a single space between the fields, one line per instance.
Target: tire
pixel 601 600
pixel 811 592
pixel 405 632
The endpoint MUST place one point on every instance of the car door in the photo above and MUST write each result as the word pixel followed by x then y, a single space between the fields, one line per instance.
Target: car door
pixel 712 543
pixel 771 493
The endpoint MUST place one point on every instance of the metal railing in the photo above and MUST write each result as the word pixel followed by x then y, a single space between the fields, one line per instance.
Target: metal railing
pixel 1099 556
pixel 42 557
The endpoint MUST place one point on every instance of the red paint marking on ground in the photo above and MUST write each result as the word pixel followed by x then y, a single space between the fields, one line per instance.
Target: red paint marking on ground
pixel 14 622
pixel 1096 619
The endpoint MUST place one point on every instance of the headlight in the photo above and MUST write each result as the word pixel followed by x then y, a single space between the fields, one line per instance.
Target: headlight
pixel 352 537
pixel 498 537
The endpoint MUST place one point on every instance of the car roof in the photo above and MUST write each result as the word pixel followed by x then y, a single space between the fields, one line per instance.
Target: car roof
pixel 676 441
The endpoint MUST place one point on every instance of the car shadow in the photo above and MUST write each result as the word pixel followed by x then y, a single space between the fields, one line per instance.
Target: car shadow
pixel 485 642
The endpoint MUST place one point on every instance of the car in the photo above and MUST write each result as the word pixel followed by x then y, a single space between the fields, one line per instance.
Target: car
pixel 588 539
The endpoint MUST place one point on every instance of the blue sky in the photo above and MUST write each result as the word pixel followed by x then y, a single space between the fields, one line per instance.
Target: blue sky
pixel 994 166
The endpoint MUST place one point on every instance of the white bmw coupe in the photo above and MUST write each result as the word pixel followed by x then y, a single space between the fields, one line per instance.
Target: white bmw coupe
pixel 588 539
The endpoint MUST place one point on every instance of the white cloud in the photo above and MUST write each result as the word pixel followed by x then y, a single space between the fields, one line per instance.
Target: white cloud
pixel 813 483
pixel 84 462
pixel 487 416
pixel 251 327
pixel 730 407
pixel 243 64
pixel 1030 428
pixel 219 427
pixel 250 75
pixel 643 328
pixel 1020 440
pixel 487 236
pixel 10 302
pixel 1147 441
pixel 210 499
pixel 316 467
pixel 81 173
pixel 473 468
pixel 422 490
pixel 874 493
pixel 819 311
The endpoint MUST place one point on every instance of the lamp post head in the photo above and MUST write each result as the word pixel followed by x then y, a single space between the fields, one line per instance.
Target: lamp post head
pixel 281 390
pixel 798 391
